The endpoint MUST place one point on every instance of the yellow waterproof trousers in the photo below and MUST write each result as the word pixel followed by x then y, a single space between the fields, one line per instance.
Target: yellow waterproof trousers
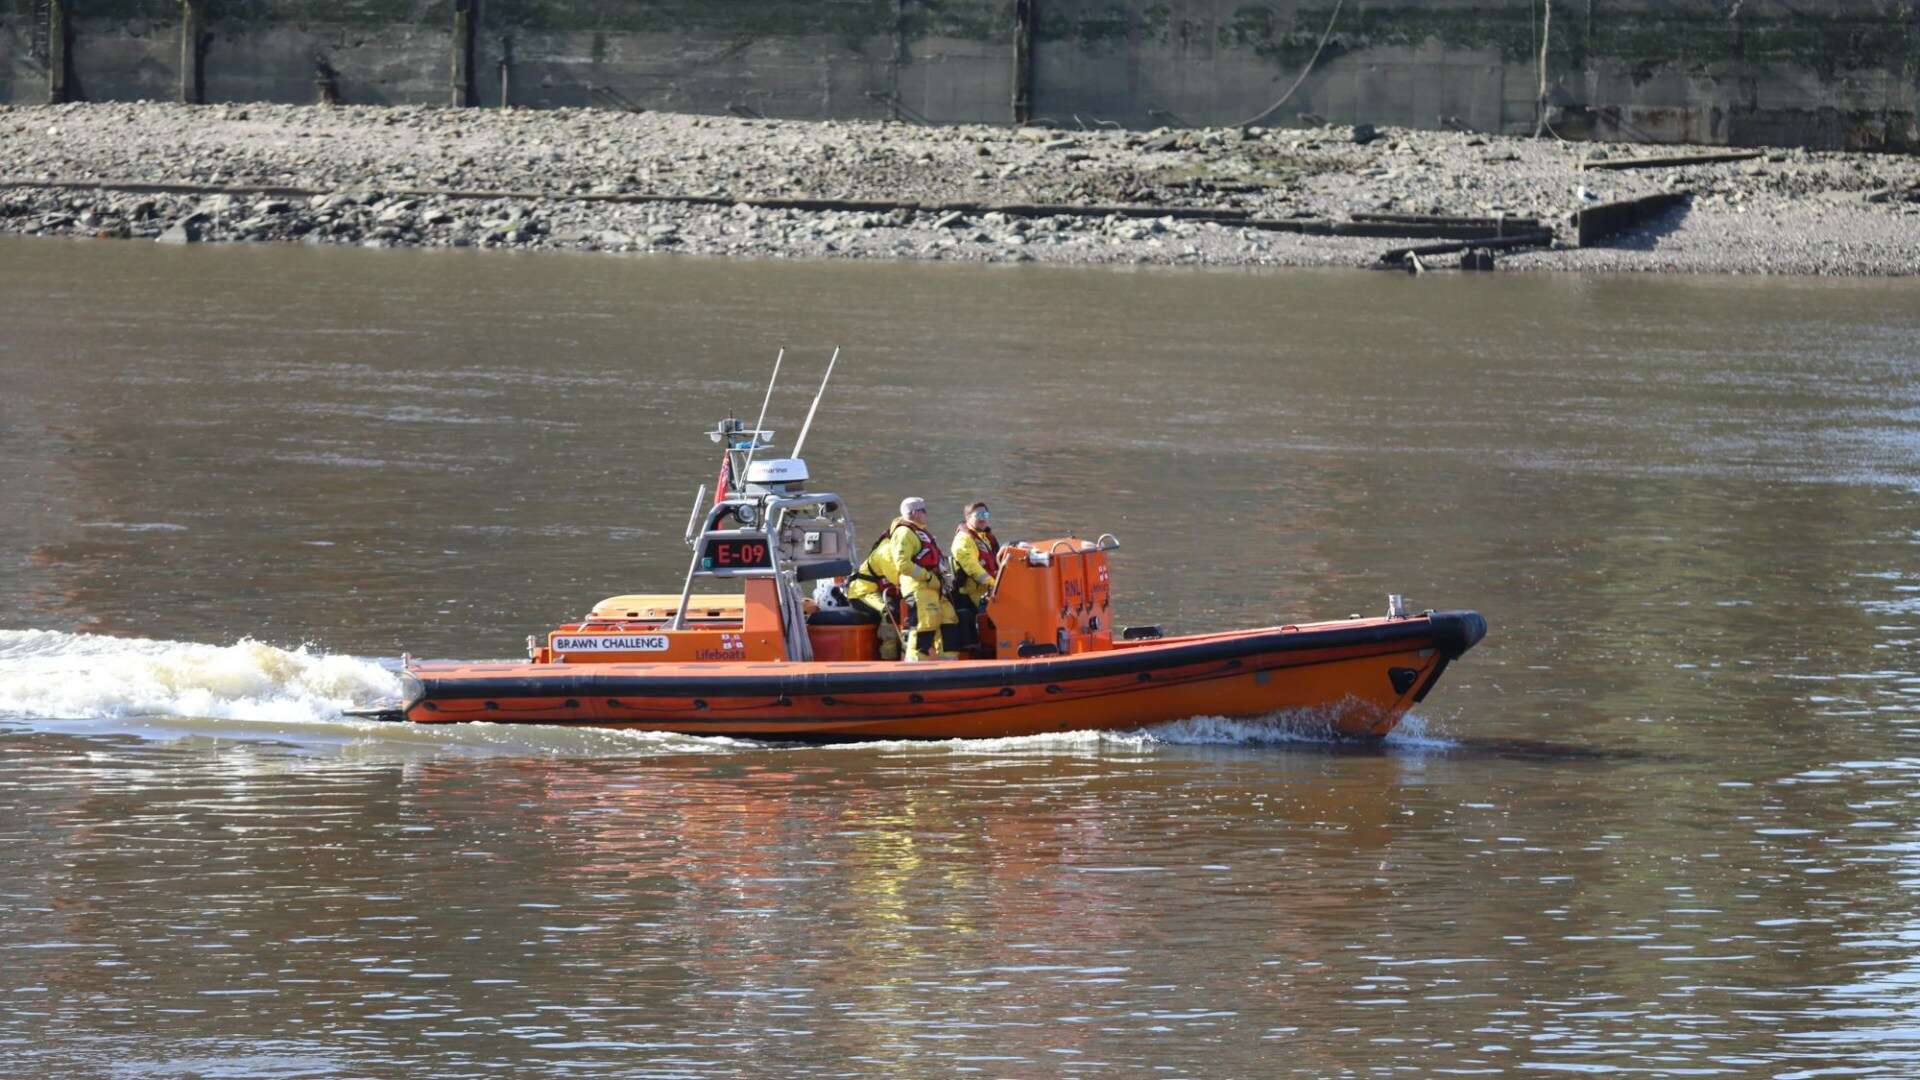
pixel 927 611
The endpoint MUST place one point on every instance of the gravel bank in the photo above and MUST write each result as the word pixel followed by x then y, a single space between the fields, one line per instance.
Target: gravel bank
pixel 378 177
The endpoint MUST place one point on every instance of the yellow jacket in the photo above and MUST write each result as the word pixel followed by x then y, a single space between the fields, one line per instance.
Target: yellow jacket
pixel 908 558
pixel 976 557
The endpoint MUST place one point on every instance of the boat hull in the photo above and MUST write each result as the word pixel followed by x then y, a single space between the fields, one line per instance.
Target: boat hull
pixel 1358 677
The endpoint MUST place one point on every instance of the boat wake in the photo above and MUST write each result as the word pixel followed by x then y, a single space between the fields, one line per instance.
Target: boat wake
pixel 53 675
pixel 1304 729
pixel 1415 735
pixel 1290 728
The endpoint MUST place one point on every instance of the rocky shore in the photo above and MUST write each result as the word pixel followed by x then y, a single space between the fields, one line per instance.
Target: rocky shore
pixel 622 182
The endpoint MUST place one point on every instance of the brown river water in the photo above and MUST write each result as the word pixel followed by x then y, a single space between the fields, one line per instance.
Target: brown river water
pixel 1665 820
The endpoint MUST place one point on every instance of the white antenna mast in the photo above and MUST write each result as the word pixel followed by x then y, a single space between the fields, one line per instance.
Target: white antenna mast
pixel 758 424
pixel 816 403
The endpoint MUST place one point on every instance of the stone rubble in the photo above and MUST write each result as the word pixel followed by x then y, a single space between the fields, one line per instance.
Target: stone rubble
pixel 1792 211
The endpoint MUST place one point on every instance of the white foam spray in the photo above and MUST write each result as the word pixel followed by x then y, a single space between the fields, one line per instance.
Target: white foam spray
pixel 1306 728
pixel 56 675
pixel 1309 727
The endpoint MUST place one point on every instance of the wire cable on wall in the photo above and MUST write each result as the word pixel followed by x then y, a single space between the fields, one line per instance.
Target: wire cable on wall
pixel 1271 109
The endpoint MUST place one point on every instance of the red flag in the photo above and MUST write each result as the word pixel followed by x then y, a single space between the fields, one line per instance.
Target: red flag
pixel 725 479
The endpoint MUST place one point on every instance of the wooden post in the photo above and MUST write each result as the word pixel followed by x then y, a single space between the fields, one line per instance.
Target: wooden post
pixel 192 83
pixel 506 70
pixel 899 57
pixel 1546 38
pixel 1023 60
pixel 57 88
pixel 464 35
pixel 326 81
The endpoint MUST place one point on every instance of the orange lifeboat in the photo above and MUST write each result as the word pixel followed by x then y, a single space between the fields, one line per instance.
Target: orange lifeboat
pixel 781 659
pixel 1358 676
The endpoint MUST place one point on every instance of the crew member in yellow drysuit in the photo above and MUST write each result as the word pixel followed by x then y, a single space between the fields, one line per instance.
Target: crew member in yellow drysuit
pixel 906 562
pixel 976 563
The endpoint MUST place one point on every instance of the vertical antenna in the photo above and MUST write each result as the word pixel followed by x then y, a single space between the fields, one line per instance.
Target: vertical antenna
pixel 816 403
pixel 760 423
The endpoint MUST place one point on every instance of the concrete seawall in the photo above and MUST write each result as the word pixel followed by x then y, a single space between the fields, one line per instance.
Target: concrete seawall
pixel 1728 72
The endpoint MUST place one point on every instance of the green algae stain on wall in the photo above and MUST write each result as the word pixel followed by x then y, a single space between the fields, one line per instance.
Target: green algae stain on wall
pixel 971 20
pixel 1506 29
pixel 1249 27
pixel 1828 45
pixel 1100 31
pixel 264 14
pixel 1693 38
pixel 747 18
pixel 1287 35
pixel 123 10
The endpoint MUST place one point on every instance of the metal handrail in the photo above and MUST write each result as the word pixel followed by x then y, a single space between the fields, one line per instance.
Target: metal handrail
pixel 693 567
